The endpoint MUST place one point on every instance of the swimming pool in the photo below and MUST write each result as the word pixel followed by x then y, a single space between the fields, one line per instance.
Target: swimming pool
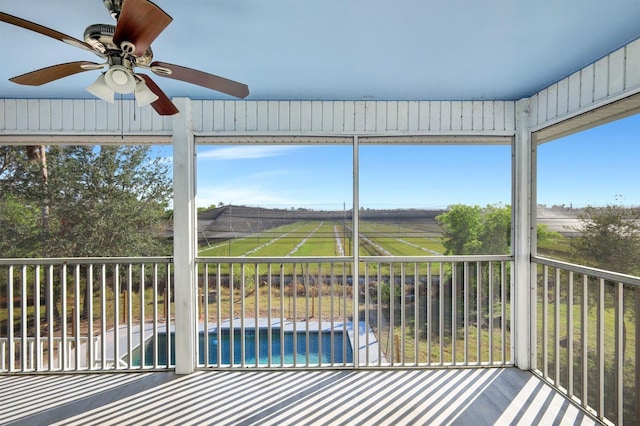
pixel 317 347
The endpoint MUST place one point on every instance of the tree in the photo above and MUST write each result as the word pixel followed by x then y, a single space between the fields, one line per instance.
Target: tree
pixel 23 185
pixel 544 235
pixel 495 233
pixel 476 230
pixel 19 222
pixel 100 201
pixel 107 201
pixel 610 239
pixel 461 225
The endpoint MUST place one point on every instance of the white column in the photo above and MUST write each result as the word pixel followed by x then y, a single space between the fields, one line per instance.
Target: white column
pixel 356 251
pixel 521 328
pixel 184 238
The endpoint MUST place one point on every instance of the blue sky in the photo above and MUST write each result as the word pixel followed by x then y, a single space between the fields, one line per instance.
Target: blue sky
pixel 595 167
pixel 320 177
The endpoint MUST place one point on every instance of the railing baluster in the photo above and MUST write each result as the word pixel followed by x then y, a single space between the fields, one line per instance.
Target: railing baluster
pixel 24 319
pixel 129 315
pixel 619 354
pixel 231 317
pixel 167 306
pixel 379 312
pixel 282 317
pixel 294 286
pixel 306 314
pixel 319 282
pixel 76 316
pixel 503 305
pixel 142 316
pixel 556 329
pixel 570 336
pixel 269 315
pixel 545 324
pixel 465 325
pixel 205 313
pixel 441 315
pixel 479 313
pixel 219 314
pixel 366 314
pixel 103 311
pixel 37 319
pixel 3 354
pixel 392 315
pixel 64 347
pixel 344 314
pixel 584 336
pixel 10 319
pixel 454 311
pixel 417 322
pixel 90 343
pixel 600 325
pixel 403 308
pixel 116 315
pixel 155 315
pixel 50 303
pixel 429 312
pixel 243 314
pixel 256 327
pixel 636 297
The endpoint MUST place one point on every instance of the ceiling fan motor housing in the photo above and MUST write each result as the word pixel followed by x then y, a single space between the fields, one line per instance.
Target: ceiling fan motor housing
pixel 100 37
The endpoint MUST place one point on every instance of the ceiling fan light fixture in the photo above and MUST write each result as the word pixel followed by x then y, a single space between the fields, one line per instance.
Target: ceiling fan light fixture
pixel 101 90
pixel 120 79
pixel 144 95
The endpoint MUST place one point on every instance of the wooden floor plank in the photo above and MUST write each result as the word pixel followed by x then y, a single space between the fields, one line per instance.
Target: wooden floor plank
pixel 492 396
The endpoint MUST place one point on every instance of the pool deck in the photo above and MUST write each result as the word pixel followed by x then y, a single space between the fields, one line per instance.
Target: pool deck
pixel 486 396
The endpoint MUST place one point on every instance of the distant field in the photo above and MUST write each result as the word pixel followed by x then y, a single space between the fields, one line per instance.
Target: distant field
pixel 403 240
pixel 332 238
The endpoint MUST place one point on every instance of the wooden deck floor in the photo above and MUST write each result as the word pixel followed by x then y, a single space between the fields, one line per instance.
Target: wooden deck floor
pixel 497 396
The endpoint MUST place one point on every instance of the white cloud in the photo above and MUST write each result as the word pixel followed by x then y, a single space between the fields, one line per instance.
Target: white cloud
pixel 245 152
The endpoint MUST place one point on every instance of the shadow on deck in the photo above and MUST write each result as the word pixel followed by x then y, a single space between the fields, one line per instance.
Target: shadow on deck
pixel 462 397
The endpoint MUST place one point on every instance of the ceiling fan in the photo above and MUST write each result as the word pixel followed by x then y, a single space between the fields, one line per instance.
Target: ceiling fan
pixel 124 47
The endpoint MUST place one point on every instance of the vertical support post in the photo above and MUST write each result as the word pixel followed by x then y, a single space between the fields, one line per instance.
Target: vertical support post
pixel 356 252
pixel 523 284
pixel 184 241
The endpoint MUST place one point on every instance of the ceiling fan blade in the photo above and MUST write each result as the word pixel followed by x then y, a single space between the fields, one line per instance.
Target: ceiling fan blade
pixel 201 78
pixel 163 104
pixel 52 73
pixel 19 22
pixel 140 22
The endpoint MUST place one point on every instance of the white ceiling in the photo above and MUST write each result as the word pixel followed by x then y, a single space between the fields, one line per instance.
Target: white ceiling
pixel 341 49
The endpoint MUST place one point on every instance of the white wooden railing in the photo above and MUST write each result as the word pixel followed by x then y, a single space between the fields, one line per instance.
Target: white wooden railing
pixel 586 330
pixel 108 314
pixel 400 312
pixel 83 313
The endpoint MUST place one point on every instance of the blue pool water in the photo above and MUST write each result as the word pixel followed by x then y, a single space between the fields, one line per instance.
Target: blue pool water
pixel 341 353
